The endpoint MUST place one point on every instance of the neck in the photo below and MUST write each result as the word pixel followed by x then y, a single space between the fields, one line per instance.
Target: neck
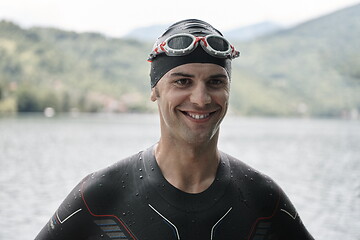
pixel 188 167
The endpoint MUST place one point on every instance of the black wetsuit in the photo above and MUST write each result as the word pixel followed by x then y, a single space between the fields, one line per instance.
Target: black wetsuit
pixel 132 200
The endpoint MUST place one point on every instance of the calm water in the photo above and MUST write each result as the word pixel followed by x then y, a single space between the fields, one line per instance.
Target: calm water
pixel 317 163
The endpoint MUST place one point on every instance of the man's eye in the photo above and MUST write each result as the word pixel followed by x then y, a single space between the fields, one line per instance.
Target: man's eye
pixel 216 82
pixel 182 82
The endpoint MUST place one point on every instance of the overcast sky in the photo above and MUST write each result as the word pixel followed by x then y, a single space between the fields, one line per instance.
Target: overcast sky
pixel 118 17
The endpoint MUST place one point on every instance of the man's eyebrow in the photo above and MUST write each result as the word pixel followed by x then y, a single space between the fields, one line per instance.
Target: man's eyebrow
pixel 220 75
pixel 180 74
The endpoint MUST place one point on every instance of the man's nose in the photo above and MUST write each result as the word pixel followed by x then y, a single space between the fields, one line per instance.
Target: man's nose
pixel 200 95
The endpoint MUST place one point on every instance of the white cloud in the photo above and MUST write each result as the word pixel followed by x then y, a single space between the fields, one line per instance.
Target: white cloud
pixel 116 17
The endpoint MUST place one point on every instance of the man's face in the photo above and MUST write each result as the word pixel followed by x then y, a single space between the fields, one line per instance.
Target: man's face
pixel 192 101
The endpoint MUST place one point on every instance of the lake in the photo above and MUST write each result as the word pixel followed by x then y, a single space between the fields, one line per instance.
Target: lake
pixel 316 162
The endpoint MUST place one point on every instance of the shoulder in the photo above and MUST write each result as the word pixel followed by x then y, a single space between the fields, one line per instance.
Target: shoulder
pixel 256 190
pixel 245 172
pixel 265 197
pixel 111 184
pixel 258 182
pixel 96 195
pixel 113 172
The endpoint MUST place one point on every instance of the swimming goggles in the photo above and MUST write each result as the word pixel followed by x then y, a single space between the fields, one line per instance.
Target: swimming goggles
pixel 183 43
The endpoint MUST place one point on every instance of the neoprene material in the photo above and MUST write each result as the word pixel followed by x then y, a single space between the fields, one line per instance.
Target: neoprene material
pixel 161 64
pixel 132 200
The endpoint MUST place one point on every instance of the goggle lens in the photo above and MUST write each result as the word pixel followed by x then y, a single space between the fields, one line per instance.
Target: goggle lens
pixel 218 44
pixel 180 42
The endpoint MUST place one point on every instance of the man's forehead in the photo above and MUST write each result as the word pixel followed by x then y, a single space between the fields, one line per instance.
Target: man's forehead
pixel 196 70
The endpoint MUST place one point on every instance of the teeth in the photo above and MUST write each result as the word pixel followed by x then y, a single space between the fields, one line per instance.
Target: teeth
pixel 196 116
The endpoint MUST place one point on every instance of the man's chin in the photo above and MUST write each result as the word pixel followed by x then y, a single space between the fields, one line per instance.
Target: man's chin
pixel 197 137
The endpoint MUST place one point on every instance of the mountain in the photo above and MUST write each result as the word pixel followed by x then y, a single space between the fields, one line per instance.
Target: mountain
pixel 309 70
pixel 46 67
pixel 252 32
pixel 313 67
pixel 148 33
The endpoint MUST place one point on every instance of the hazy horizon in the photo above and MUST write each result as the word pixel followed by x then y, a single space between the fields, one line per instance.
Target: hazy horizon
pixel 112 19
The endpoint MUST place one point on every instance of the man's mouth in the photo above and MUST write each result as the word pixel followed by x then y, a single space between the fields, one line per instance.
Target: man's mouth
pixel 198 116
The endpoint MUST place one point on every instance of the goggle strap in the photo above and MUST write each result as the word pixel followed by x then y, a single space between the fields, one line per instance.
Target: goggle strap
pixel 162 46
pixel 202 39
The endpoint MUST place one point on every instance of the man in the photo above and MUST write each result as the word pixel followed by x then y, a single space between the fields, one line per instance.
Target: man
pixel 183 187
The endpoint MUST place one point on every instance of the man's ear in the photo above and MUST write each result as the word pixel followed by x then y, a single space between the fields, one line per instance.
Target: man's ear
pixel 153 95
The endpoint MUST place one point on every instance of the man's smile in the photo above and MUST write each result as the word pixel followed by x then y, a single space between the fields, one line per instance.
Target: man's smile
pixel 198 115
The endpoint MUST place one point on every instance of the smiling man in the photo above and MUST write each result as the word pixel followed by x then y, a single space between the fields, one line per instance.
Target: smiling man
pixel 192 100
pixel 182 187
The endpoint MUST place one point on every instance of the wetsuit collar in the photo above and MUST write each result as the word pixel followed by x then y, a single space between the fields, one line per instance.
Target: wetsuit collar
pixel 183 200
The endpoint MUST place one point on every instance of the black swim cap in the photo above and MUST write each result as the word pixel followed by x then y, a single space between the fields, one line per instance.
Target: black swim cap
pixel 162 63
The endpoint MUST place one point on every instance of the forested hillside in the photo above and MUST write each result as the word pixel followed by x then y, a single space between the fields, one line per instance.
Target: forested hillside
pixel 65 70
pixel 310 70
pixel 313 68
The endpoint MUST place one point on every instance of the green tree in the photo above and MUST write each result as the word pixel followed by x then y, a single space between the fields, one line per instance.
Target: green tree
pixel 27 101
